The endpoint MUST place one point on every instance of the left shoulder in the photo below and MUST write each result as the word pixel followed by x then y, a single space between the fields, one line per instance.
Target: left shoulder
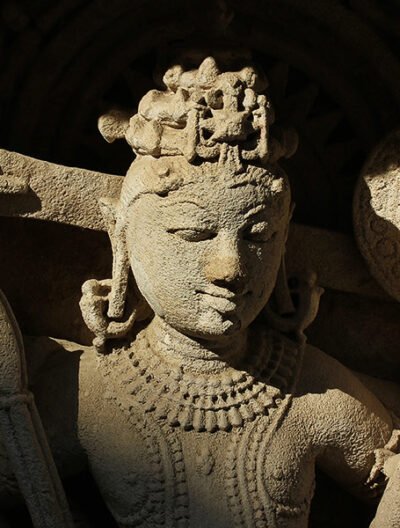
pixel 345 408
pixel 386 391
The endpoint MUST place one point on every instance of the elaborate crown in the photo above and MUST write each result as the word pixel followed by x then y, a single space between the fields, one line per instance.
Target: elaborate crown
pixel 203 113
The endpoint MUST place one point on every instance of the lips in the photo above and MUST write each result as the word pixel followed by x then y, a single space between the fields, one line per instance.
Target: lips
pixel 219 303
pixel 221 299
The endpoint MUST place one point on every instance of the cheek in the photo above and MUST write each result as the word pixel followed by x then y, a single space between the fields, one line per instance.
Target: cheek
pixel 144 258
pixel 145 273
pixel 264 265
pixel 167 270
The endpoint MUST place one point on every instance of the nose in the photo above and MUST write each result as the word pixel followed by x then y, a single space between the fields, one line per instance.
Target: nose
pixel 225 265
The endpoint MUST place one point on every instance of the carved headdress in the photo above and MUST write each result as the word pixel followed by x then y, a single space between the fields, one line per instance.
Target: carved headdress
pixel 203 113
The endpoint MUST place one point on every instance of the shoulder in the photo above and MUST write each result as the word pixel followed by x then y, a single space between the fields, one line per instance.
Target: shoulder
pixel 54 367
pixel 386 391
pixel 53 373
pixel 342 407
pixel 46 354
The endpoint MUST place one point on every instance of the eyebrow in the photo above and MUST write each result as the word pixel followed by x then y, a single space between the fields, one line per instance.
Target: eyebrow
pixel 172 203
pixel 254 210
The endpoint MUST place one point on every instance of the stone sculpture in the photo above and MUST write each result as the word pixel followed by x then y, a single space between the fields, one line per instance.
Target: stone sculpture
pixel 200 403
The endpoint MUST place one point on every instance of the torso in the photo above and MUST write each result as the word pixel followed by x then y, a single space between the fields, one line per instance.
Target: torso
pixel 194 454
pixel 157 463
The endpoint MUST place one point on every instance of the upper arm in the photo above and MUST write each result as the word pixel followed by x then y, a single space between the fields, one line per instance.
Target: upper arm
pixel 351 424
pixel 355 441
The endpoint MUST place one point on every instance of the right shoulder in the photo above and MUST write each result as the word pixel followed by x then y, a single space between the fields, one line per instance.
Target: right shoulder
pixel 54 374
pixel 47 354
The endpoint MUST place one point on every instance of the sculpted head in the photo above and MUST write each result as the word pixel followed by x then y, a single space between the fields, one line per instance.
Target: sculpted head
pixel 203 214
pixel 205 245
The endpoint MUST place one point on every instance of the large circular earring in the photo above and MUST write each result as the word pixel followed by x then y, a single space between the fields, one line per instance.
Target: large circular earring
pixel 103 302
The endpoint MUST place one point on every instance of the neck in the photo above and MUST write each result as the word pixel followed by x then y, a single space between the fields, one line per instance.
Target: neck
pixel 199 353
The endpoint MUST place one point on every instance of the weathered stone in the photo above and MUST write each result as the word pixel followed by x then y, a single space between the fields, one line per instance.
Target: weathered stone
pixel 47 191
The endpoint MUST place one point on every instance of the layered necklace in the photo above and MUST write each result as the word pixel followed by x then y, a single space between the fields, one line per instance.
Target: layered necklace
pixel 184 393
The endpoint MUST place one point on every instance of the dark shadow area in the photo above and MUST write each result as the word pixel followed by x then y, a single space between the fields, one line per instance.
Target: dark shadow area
pixel 360 332
pixel 53 374
pixel 43 266
pixel 28 202
pixel 334 508
pixel 88 509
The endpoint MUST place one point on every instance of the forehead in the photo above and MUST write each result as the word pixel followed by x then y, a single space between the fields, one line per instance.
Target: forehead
pixel 217 199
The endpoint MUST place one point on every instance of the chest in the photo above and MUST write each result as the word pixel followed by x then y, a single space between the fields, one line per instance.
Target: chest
pixel 151 474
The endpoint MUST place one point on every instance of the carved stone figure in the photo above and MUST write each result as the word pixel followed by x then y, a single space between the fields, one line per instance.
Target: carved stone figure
pixel 200 403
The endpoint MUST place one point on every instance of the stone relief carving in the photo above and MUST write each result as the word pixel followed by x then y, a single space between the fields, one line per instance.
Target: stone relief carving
pixel 200 402
pixel 22 431
pixel 377 213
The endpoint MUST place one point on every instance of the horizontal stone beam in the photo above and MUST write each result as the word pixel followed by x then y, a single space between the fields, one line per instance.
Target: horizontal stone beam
pixel 38 189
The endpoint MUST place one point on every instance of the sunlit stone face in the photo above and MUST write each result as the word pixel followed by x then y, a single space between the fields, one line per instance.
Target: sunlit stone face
pixel 206 255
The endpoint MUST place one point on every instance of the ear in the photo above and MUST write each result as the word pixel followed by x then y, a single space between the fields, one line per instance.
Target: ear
pixel 108 208
pixel 120 274
pixel 120 268
pixel 291 209
pixel 281 291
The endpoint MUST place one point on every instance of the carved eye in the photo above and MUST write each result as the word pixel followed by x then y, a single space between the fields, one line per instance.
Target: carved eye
pixel 259 233
pixel 193 234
